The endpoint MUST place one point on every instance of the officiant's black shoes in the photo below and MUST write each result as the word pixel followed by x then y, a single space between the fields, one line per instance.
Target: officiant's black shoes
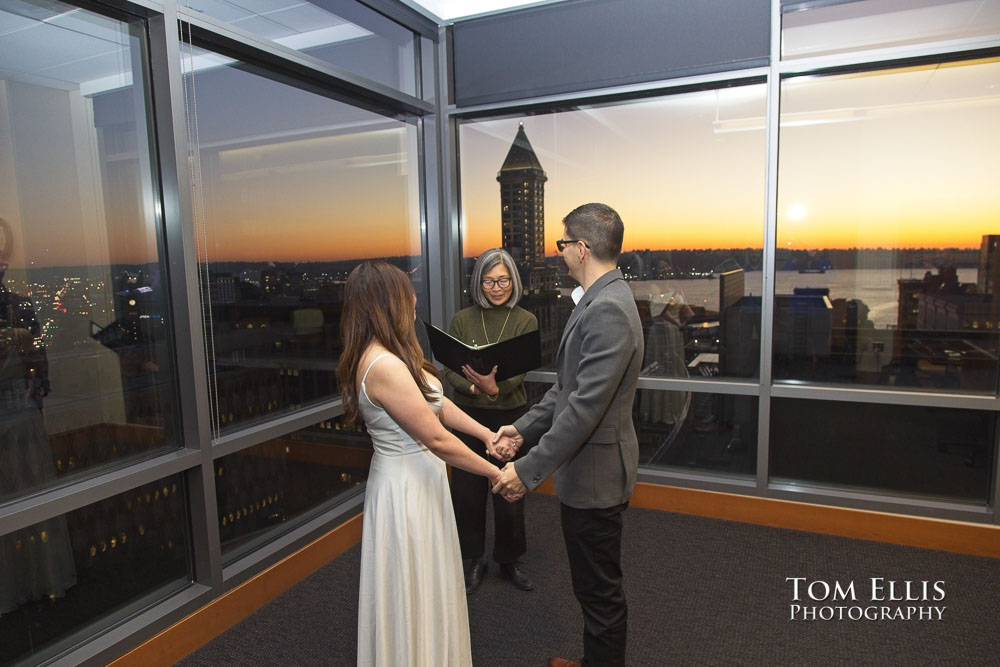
pixel 475 571
pixel 517 576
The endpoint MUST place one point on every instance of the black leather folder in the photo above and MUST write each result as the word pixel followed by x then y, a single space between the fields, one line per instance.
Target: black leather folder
pixel 513 356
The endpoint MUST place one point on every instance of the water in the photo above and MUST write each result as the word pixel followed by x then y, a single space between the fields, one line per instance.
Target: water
pixel 877 288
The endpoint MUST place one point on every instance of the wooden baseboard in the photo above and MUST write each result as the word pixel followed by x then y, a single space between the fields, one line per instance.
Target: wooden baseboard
pixel 197 629
pixel 913 531
pixel 220 614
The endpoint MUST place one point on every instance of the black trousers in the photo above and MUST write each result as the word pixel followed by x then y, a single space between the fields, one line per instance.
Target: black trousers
pixel 469 494
pixel 593 543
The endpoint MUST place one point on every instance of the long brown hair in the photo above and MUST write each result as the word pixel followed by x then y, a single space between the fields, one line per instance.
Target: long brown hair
pixel 378 307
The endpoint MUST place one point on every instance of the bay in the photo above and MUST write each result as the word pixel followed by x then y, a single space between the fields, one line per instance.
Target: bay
pixel 877 288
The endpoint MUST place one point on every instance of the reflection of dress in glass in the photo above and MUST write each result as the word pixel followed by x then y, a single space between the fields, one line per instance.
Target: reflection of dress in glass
pixel 665 347
pixel 665 354
pixel 412 609
pixel 37 560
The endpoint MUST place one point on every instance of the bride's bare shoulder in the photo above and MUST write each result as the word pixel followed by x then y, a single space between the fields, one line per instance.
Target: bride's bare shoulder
pixel 368 357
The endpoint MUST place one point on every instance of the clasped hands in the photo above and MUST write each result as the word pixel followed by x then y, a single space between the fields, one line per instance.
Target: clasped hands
pixel 505 444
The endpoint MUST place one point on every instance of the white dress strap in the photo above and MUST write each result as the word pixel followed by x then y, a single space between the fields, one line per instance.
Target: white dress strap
pixel 368 370
pixel 364 377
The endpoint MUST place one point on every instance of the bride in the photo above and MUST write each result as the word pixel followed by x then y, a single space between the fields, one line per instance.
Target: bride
pixel 412 607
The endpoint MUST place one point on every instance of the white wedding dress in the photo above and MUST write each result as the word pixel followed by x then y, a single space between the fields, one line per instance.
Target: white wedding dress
pixel 412 610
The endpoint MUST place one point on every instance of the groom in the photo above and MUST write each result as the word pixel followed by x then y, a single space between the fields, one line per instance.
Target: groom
pixel 584 431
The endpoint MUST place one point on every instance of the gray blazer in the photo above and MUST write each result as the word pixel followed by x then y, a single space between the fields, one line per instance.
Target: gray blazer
pixel 583 425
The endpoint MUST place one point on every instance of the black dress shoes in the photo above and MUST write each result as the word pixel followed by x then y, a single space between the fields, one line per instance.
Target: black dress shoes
pixel 517 576
pixel 475 571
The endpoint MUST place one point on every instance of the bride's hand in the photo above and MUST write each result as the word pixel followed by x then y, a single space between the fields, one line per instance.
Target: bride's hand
pixel 491 449
pixel 503 449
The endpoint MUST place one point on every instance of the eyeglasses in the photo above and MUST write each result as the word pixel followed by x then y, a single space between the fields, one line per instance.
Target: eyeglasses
pixel 562 243
pixel 502 283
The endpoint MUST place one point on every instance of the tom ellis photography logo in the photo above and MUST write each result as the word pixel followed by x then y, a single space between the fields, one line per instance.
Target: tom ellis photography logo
pixel 875 599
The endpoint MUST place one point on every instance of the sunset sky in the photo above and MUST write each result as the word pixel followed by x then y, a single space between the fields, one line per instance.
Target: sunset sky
pixel 908 159
pixel 905 159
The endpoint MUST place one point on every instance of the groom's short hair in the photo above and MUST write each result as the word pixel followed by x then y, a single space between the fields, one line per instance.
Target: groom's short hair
pixel 600 226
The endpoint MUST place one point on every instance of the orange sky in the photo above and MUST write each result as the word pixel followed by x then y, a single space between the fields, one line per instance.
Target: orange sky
pixel 909 158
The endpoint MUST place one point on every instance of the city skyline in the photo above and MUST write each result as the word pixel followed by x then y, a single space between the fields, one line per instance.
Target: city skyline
pixel 20 273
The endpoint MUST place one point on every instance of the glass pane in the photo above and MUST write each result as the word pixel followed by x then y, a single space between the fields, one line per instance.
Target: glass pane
pixel 355 38
pixel 887 246
pixel 856 26
pixel 92 567
pixel 295 189
pixel 278 481
pixel 690 255
pixel 714 433
pixel 85 373
pixel 934 453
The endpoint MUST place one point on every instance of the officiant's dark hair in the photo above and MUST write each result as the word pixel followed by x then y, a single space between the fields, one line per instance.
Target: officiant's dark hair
pixel 378 307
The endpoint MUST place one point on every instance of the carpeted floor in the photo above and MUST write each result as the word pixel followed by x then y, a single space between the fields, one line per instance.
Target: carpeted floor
pixel 700 591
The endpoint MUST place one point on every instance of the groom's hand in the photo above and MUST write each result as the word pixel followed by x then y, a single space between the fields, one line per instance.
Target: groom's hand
pixel 510 486
pixel 509 431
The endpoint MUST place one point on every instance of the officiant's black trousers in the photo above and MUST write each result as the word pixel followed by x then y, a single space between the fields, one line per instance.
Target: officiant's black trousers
pixel 469 494
pixel 594 545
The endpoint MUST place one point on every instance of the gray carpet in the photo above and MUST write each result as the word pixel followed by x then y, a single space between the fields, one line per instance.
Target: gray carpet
pixel 700 591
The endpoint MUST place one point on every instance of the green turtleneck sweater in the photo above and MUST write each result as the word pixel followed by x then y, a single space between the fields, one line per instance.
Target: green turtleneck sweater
pixel 501 323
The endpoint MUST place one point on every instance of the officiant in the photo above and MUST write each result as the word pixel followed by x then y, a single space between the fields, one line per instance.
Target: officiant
pixel 495 288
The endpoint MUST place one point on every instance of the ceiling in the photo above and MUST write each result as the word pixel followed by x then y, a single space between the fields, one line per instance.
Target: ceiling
pixel 450 10
pixel 51 44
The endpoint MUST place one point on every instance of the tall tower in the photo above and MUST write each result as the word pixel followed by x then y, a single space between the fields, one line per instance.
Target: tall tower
pixel 522 206
pixel 522 233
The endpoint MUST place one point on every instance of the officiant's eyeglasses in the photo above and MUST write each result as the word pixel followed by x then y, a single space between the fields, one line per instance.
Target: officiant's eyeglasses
pixel 562 243
pixel 502 283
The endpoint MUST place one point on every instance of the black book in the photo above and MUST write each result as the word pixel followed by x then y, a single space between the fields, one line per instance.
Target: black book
pixel 513 356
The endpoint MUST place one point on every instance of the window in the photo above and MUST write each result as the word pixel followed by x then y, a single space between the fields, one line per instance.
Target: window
pixel 92 567
pixel 854 26
pixel 930 453
pixel 295 190
pixel 692 257
pixel 87 377
pixel 887 245
pixel 271 485
pixel 354 38
pixel 713 433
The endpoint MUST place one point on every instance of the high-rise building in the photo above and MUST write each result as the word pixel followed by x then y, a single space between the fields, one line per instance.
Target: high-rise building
pixel 522 205
pixel 988 277
pixel 522 231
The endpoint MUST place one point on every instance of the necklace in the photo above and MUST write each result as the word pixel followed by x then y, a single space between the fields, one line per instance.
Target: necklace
pixel 487 333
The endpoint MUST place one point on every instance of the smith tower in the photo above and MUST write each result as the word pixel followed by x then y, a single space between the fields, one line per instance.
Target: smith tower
pixel 522 230
pixel 522 209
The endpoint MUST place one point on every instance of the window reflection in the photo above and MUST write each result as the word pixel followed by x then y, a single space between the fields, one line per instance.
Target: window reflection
pixel 689 254
pixel 93 565
pixel 917 451
pixel 855 26
pixel 697 431
pixel 275 482
pixel 85 377
pixel 295 190
pixel 355 37
pixel 887 240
